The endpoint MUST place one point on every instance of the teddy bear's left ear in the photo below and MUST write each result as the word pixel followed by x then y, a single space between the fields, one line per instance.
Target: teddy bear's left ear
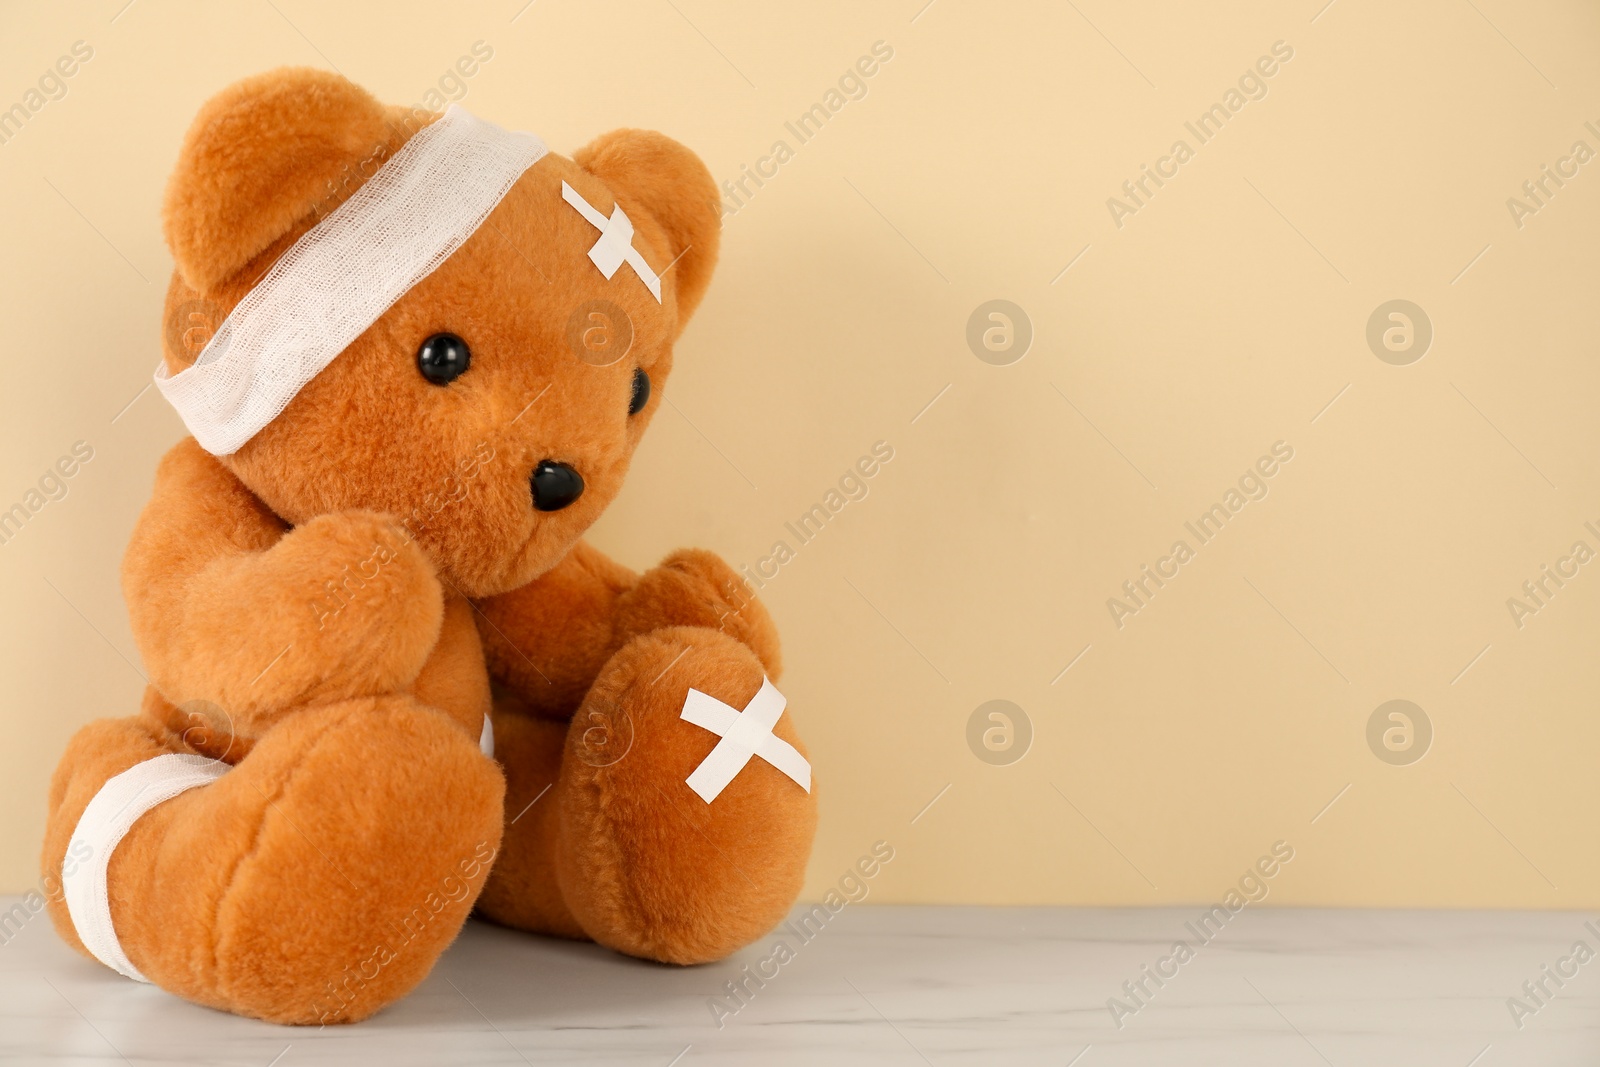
pixel 653 172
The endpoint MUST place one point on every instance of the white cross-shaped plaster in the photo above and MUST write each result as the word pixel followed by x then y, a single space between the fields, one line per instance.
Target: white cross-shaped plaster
pixel 615 246
pixel 743 735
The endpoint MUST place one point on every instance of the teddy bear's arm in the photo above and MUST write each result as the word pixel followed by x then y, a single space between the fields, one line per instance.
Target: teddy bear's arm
pixel 231 606
pixel 547 641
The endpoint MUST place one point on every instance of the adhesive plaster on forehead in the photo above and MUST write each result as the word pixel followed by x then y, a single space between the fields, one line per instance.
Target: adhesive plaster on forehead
pixel 615 244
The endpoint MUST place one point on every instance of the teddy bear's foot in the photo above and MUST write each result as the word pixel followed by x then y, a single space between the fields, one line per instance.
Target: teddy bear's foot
pixel 645 865
pixel 316 881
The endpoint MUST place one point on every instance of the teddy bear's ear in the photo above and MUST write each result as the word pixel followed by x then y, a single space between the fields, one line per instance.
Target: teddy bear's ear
pixel 261 156
pixel 669 182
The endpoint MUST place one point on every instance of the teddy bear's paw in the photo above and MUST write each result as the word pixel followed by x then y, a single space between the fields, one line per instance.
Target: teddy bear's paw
pixel 647 864
pixel 693 587
pixel 319 879
pixel 346 605
pixel 376 603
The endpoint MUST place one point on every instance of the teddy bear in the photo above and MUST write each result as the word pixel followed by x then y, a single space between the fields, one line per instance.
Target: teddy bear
pixel 390 685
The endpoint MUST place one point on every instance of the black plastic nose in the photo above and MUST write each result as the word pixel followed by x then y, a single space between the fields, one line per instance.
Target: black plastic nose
pixel 555 485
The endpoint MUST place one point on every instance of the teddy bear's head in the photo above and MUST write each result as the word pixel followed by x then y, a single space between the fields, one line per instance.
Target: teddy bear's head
pixel 494 407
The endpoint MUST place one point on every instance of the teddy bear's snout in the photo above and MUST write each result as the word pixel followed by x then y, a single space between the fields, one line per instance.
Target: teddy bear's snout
pixel 555 485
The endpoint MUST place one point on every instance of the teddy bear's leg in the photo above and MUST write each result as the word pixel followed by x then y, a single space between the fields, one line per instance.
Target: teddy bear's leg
pixel 317 880
pixel 522 890
pixel 645 865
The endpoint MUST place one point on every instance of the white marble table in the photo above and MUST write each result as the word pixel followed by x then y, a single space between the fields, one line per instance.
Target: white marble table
pixel 900 985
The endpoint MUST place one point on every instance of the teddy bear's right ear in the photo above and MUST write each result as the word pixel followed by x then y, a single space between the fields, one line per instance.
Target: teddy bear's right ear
pixel 261 156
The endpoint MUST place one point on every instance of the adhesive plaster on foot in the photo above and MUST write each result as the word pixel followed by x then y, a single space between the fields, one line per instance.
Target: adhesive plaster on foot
pixel 743 735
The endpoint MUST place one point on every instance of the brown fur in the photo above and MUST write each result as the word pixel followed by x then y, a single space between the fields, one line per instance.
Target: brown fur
pixel 334 607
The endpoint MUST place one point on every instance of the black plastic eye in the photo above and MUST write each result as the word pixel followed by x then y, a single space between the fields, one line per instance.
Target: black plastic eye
pixel 641 392
pixel 443 358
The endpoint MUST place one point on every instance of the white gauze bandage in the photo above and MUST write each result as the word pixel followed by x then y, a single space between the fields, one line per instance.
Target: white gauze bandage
pixel 104 823
pixel 344 273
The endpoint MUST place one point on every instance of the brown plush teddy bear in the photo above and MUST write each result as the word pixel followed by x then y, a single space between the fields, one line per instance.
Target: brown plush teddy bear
pixel 436 348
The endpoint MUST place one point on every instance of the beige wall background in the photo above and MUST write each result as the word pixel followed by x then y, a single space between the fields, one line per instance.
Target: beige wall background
pixel 1227 313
